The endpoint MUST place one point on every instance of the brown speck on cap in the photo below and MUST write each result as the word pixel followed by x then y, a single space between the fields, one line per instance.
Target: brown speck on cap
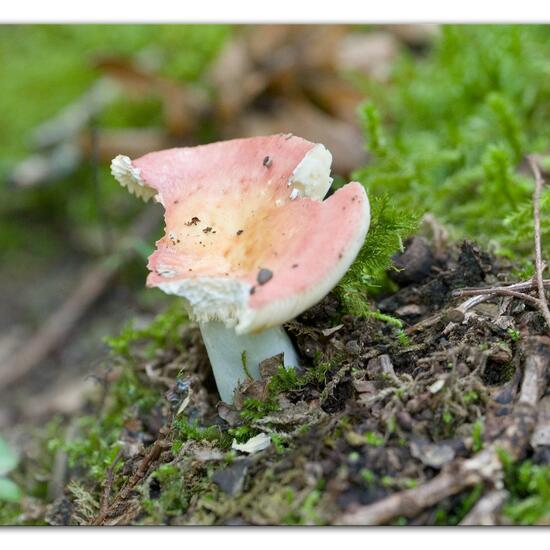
pixel 264 275
pixel 252 290
pixel 267 162
pixel 294 266
pixel 193 221
pixel 207 229
pixel 239 232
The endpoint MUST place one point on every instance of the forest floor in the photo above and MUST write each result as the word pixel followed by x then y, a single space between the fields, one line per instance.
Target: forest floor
pixel 430 422
pixel 432 410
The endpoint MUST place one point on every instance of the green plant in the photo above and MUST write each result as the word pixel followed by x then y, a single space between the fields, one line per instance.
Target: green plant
pixel 528 485
pixel 162 333
pixel 450 134
pixel 389 225
pixel 477 436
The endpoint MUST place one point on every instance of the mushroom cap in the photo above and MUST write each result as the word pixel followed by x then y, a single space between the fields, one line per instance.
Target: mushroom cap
pixel 248 239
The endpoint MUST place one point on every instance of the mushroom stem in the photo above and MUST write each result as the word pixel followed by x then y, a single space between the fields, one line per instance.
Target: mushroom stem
pixel 226 351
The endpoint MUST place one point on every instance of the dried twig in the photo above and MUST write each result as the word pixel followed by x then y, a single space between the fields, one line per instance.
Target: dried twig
pixel 508 292
pixel 538 249
pixel 485 466
pixel 524 285
pixel 152 455
pixel 479 295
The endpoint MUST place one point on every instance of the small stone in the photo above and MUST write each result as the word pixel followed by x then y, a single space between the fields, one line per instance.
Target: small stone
pixel 415 264
pixel 379 367
pixel 455 315
pixel 435 455
pixel 264 275
pixel 410 310
pixel 231 479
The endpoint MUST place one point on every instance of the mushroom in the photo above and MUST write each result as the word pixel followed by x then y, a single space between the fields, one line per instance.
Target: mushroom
pixel 249 244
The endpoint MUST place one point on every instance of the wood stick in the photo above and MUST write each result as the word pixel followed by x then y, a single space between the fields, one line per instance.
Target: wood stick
pixel 539 268
pixel 152 455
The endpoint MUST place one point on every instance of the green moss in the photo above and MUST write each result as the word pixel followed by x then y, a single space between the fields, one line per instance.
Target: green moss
pixel 186 431
pixel 254 409
pixel 528 485
pixel 374 439
pixel 94 449
pixel 451 130
pixel 453 515
pixel 477 436
pixel 389 225
pixel 288 379
pixel 163 333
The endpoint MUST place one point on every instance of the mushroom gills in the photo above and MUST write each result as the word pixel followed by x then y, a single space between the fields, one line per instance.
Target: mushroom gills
pixel 225 350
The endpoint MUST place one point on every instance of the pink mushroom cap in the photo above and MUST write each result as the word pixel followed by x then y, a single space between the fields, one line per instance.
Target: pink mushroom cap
pixel 249 240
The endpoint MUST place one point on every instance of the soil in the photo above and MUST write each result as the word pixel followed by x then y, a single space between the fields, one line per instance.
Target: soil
pixel 379 410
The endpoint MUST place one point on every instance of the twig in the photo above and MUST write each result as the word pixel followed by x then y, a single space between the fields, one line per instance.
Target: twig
pixel 504 292
pixel 57 327
pixel 153 454
pixel 538 249
pixel 524 285
pixel 485 466
pixel 479 295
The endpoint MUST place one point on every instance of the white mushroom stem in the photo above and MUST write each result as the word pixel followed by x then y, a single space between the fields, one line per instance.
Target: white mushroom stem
pixel 226 350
